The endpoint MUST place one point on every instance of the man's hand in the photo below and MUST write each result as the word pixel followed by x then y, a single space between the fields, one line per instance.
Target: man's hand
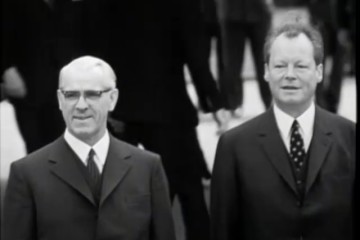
pixel 222 118
pixel 13 83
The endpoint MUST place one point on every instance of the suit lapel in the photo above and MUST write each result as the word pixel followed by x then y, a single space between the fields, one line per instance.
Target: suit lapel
pixel 272 143
pixel 115 168
pixel 64 166
pixel 320 145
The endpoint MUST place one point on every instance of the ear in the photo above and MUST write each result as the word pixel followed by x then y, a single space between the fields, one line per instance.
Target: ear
pixel 114 95
pixel 59 97
pixel 319 72
pixel 266 72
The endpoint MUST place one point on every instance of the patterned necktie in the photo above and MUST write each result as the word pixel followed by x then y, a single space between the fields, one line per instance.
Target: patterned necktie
pixel 93 169
pixel 297 150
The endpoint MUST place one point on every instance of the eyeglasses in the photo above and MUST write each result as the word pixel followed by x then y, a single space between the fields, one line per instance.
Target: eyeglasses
pixel 92 95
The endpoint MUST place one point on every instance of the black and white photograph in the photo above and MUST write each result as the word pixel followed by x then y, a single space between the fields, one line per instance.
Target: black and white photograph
pixel 178 120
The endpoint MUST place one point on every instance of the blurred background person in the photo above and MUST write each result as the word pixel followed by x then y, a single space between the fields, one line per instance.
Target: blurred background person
pixel 289 3
pixel 213 48
pixel 39 36
pixel 351 13
pixel 241 21
pixel 149 43
pixel 285 9
pixel 212 31
pixel 334 20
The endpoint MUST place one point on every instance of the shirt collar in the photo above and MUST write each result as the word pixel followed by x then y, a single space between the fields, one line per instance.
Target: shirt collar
pixel 82 149
pixel 283 121
pixel 306 121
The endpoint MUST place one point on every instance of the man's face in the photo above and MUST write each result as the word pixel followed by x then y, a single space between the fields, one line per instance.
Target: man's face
pixel 292 73
pixel 86 115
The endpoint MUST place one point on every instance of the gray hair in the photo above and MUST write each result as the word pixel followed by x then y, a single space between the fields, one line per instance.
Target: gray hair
pixel 89 63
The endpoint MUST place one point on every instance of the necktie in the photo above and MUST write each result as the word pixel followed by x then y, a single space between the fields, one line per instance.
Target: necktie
pixel 93 169
pixel 297 150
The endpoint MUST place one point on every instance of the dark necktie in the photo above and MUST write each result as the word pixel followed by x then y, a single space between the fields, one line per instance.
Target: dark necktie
pixel 94 173
pixel 297 150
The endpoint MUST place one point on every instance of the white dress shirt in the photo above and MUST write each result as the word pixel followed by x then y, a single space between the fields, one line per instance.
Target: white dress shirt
pixel 305 120
pixel 82 149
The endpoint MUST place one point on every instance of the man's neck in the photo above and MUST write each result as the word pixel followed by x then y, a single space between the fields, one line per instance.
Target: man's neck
pixel 294 110
pixel 89 140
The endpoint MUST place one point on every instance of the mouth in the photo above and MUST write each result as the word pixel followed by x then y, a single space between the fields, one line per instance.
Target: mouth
pixel 290 88
pixel 81 117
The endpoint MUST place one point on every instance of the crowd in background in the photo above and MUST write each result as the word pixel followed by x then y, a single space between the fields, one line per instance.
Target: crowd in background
pixel 148 43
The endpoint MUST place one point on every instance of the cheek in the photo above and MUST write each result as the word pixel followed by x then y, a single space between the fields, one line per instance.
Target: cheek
pixel 311 85
pixel 67 112
pixel 274 83
pixel 101 112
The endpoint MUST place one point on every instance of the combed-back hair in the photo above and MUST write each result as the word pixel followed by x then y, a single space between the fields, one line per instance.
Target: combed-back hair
pixel 292 29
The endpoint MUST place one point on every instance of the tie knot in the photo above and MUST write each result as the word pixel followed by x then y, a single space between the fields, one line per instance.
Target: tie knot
pixel 91 153
pixel 295 125
pixel 91 165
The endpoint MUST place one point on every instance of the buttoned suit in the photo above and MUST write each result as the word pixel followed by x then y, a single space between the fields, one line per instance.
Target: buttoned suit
pixel 254 194
pixel 48 198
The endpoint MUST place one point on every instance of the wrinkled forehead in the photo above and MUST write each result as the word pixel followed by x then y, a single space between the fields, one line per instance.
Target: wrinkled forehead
pixel 87 72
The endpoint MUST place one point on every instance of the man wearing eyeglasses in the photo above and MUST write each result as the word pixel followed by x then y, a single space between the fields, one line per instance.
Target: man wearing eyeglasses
pixel 87 184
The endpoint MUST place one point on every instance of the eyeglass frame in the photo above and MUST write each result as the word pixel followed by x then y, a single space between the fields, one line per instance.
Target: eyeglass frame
pixel 97 94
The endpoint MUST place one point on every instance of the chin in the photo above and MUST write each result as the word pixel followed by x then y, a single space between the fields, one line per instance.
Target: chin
pixel 82 133
pixel 291 100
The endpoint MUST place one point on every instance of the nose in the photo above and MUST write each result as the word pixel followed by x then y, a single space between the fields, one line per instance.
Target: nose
pixel 290 74
pixel 81 103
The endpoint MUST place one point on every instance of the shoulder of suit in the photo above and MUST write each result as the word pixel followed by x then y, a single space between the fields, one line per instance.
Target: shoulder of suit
pixel 335 120
pixel 135 151
pixel 248 127
pixel 342 129
pixel 39 156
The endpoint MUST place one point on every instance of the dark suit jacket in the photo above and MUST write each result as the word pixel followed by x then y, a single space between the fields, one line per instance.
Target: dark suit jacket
pixel 148 43
pixel 48 198
pixel 253 192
